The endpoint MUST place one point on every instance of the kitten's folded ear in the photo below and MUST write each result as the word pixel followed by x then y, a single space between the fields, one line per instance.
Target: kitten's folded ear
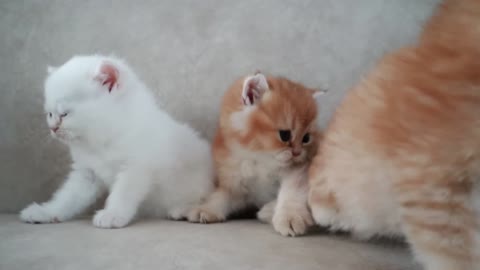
pixel 51 69
pixel 107 75
pixel 253 88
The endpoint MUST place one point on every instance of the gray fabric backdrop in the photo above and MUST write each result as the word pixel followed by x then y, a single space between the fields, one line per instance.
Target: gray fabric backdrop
pixel 188 52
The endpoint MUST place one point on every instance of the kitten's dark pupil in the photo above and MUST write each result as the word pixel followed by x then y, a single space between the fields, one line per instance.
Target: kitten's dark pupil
pixel 50 114
pixel 285 135
pixel 306 138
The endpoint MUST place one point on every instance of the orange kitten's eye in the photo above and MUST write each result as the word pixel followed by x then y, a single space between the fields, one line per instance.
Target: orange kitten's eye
pixel 306 138
pixel 285 135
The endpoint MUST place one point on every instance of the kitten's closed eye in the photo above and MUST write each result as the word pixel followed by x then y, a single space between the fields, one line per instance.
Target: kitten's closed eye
pixel 61 115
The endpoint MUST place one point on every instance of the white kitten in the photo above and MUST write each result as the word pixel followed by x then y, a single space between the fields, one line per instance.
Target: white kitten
pixel 120 143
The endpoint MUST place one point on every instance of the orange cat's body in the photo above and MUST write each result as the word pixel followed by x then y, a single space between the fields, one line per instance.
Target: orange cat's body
pixel 251 159
pixel 402 153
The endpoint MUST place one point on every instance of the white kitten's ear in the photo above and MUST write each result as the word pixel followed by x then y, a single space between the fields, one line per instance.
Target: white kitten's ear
pixel 253 88
pixel 107 75
pixel 51 69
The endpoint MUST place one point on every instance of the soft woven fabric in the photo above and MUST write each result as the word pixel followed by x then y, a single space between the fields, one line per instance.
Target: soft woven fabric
pixel 237 245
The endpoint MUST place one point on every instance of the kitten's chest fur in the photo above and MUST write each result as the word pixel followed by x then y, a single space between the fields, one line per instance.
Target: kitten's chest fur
pixel 103 161
pixel 259 174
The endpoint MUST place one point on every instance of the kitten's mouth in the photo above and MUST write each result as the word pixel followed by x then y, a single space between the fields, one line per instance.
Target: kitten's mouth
pixel 59 134
pixel 287 158
pixel 299 159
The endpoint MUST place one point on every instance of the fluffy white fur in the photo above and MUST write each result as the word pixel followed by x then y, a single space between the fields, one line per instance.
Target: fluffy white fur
pixel 121 143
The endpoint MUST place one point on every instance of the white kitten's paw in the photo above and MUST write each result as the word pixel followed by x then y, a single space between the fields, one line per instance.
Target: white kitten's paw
pixel 178 214
pixel 292 221
pixel 36 213
pixel 266 213
pixel 203 215
pixel 108 219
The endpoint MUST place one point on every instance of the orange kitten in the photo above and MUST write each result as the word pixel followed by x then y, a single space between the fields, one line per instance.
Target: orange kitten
pixel 401 155
pixel 267 131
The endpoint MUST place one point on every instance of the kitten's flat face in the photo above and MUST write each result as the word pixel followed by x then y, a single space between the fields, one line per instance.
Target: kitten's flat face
pixel 284 122
pixel 74 98
pixel 287 116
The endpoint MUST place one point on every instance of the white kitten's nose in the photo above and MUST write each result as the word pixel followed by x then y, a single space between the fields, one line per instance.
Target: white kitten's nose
pixel 54 129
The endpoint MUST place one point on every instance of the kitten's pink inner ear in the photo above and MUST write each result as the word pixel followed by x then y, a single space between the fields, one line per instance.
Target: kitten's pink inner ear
pixel 253 89
pixel 108 76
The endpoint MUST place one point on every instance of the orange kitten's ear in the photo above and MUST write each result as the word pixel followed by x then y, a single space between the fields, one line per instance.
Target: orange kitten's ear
pixel 107 75
pixel 253 88
pixel 51 69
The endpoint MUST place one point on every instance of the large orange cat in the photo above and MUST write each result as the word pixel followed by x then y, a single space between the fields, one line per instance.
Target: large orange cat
pixel 402 153
pixel 267 135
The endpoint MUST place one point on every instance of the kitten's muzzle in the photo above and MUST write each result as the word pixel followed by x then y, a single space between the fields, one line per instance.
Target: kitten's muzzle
pixel 296 152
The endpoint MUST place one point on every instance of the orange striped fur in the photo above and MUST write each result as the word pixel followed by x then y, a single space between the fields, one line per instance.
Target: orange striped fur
pixel 401 155
pixel 250 157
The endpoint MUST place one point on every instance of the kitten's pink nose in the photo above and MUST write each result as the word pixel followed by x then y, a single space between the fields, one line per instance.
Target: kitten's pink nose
pixel 296 152
pixel 54 129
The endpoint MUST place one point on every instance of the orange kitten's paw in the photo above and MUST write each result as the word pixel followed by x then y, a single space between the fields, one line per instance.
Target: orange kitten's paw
pixel 292 221
pixel 202 215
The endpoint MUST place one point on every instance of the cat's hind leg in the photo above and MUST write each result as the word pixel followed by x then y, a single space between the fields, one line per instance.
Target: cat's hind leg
pixel 217 207
pixel 179 213
pixel 79 191
pixel 440 222
pixel 265 214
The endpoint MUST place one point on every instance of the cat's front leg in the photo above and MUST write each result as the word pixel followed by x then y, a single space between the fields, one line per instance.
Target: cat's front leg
pixel 79 191
pixel 129 191
pixel 291 216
